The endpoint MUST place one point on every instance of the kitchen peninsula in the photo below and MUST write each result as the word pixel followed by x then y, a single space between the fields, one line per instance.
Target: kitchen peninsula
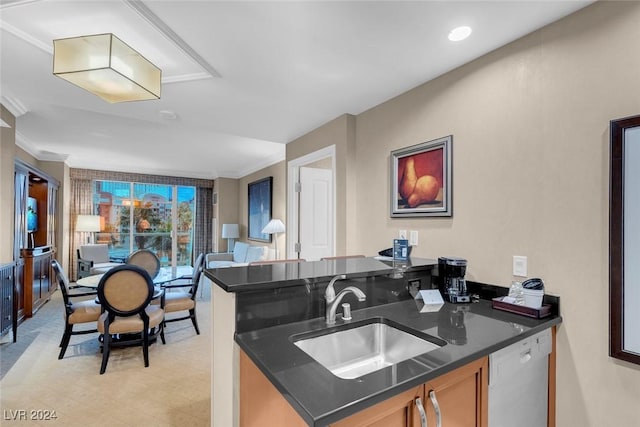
pixel 259 311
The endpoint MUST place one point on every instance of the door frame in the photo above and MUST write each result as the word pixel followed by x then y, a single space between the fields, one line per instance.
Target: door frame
pixel 293 176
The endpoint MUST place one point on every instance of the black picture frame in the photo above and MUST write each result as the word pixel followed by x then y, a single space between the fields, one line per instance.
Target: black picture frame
pixel 622 238
pixel 259 208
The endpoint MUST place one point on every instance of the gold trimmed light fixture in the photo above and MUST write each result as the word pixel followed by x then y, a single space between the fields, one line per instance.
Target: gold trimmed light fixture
pixel 107 67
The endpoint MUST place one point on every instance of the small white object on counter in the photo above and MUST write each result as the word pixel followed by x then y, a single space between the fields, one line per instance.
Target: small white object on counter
pixel 533 297
pixel 431 300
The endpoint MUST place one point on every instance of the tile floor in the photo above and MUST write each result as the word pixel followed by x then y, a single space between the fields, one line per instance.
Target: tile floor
pixel 175 390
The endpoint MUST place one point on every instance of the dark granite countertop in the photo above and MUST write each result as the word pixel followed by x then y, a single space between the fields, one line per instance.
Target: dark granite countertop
pixel 471 331
pixel 278 275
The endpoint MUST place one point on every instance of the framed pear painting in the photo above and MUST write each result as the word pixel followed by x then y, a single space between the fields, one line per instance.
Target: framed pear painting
pixel 421 179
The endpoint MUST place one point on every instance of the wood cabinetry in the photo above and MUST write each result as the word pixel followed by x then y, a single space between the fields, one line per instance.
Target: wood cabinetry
pixel 260 402
pixel 458 398
pixel 460 395
pixel 37 279
pixel 397 411
pixel 35 237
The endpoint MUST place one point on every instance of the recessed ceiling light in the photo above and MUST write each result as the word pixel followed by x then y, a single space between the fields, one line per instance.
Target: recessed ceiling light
pixel 459 33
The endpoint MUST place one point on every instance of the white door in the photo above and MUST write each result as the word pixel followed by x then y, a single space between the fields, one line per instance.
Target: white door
pixel 316 213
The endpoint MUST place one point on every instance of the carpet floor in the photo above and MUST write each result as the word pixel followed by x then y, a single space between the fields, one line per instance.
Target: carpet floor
pixel 175 390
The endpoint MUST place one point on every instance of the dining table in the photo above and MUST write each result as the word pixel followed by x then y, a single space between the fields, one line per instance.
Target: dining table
pixel 165 275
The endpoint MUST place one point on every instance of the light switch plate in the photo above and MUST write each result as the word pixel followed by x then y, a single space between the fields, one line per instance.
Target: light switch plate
pixel 520 266
pixel 413 238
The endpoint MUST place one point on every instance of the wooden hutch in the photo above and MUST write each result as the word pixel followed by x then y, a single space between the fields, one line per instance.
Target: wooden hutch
pixel 36 196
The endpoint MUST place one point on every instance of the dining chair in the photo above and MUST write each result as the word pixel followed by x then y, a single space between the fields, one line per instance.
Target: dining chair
pixel 75 312
pixel 125 293
pixel 147 260
pixel 184 300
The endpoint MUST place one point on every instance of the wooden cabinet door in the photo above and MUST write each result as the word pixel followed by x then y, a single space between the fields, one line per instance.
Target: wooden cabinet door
pixel 397 411
pixel 261 404
pixel 461 397
pixel 45 276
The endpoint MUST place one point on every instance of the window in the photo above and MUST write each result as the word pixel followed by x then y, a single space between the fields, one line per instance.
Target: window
pixel 146 216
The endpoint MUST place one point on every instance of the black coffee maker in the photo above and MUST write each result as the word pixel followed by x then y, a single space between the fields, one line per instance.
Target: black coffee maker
pixel 453 287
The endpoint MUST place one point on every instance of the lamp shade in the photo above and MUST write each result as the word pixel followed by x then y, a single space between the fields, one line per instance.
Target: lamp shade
pixel 107 67
pixel 274 226
pixel 88 223
pixel 230 231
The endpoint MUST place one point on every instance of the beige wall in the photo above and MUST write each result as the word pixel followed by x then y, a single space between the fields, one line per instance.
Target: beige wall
pixel 278 204
pixel 7 153
pixel 60 171
pixel 226 210
pixel 341 133
pixel 26 157
pixel 530 126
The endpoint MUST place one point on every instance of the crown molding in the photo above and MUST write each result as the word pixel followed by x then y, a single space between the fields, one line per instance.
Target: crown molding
pixel 26 37
pixel 255 167
pixel 46 156
pixel 186 77
pixel 171 35
pixel 14 106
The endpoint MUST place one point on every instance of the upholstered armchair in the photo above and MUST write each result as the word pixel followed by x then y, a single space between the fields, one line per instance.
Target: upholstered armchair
pixel 243 254
pixel 94 259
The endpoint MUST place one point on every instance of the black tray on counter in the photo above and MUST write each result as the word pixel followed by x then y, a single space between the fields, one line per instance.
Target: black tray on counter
pixel 536 313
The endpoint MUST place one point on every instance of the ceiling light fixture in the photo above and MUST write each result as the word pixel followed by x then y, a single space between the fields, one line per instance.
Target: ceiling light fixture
pixel 459 33
pixel 107 67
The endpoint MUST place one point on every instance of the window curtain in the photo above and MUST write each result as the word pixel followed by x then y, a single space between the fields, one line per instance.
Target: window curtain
pixel 202 235
pixel 81 204
pixel 21 191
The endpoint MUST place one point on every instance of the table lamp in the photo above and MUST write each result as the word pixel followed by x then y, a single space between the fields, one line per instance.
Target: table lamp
pixel 88 224
pixel 274 226
pixel 230 232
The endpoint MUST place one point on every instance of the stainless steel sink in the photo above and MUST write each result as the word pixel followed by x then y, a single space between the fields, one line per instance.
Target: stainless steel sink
pixel 353 350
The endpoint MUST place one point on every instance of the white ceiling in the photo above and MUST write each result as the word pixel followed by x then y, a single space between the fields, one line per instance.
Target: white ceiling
pixel 264 73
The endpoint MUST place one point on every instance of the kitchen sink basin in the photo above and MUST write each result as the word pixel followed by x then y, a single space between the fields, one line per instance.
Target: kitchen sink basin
pixel 355 349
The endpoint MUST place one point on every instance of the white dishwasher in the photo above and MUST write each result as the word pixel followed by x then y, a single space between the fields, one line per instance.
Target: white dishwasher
pixel 518 383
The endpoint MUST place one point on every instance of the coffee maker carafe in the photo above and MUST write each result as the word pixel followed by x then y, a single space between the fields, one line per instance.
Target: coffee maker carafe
pixel 451 271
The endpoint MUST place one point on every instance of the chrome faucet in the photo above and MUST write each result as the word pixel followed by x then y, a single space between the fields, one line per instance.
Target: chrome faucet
pixel 333 301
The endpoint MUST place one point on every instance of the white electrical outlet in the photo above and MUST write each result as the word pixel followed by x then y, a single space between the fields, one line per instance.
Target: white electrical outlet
pixel 520 266
pixel 413 238
pixel 402 234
